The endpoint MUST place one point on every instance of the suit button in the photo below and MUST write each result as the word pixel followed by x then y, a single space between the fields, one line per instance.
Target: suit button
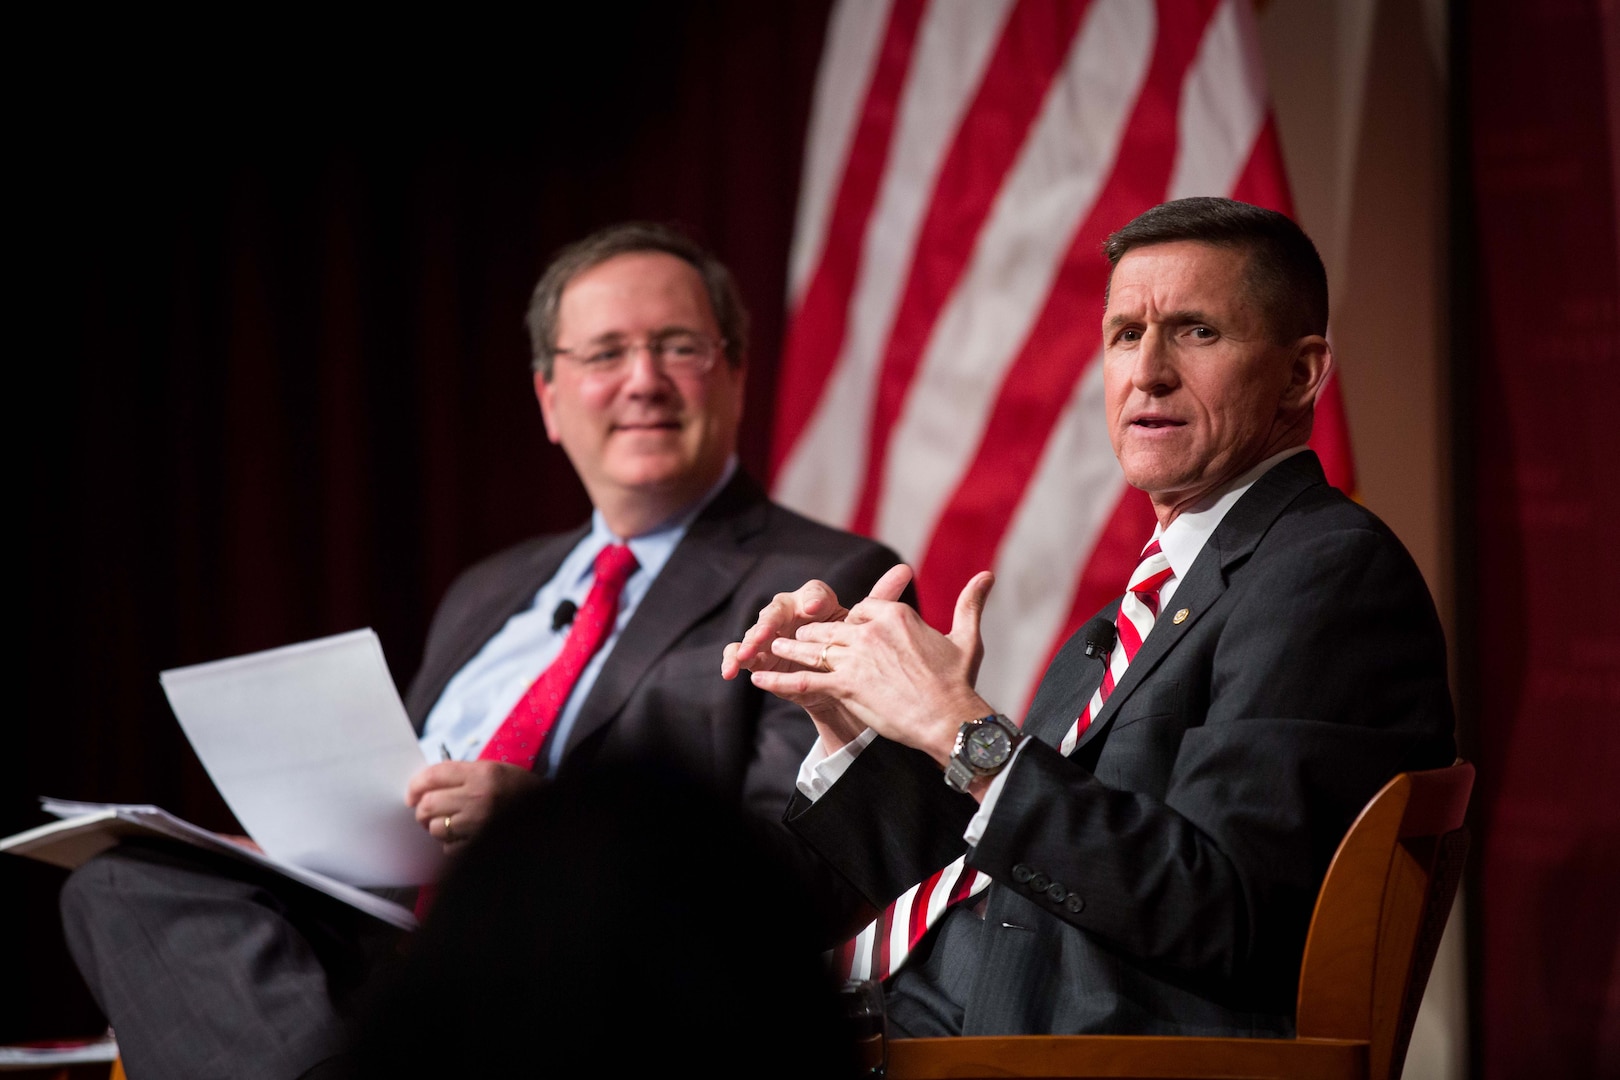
pixel 1073 904
pixel 1039 882
pixel 1057 892
pixel 1022 873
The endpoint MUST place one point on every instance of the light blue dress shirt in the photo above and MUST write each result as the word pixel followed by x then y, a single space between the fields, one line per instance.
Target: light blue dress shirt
pixel 480 695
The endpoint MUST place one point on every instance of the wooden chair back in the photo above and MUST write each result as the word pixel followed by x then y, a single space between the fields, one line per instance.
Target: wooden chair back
pixel 1381 912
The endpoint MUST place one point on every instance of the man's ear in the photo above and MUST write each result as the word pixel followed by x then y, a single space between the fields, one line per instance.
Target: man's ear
pixel 547 397
pixel 1308 372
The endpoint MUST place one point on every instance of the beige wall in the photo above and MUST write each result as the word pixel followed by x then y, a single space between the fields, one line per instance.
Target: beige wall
pixel 1359 89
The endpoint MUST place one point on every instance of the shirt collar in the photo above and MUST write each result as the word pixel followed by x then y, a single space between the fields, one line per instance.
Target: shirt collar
pixel 654 547
pixel 1193 527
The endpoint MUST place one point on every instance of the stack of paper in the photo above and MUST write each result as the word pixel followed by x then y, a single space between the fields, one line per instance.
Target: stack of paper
pixel 311 749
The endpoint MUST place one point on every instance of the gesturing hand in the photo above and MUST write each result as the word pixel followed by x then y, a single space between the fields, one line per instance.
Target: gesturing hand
pixel 887 669
pixel 787 614
pixel 453 800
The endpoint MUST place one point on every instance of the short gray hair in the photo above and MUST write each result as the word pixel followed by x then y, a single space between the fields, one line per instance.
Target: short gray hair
pixel 628 238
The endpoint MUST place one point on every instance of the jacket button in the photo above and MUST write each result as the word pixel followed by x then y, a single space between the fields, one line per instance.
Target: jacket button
pixel 1039 882
pixel 1022 873
pixel 1057 892
pixel 1073 904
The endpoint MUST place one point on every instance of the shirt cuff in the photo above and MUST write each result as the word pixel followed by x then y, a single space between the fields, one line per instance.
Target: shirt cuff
pixel 981 820
pixel 820 769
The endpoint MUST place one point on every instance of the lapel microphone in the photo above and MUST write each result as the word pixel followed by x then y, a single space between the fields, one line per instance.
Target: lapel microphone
pixel 1099 636
pixel 563 615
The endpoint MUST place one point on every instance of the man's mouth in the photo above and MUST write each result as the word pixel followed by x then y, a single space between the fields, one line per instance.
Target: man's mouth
pixel 1156 422
pixel 650 424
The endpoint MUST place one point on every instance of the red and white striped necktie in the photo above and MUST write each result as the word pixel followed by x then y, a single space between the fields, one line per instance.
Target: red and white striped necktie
pixel 1137 610
pixel 884 944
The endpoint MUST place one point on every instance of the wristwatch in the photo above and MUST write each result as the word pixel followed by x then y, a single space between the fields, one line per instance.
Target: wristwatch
pixel 983 746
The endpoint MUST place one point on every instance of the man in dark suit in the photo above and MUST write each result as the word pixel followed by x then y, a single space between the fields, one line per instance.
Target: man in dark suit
pixel 639 338
pixel 1143 854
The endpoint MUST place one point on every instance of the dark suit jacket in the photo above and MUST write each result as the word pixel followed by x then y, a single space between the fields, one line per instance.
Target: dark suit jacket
pixel 1161 879
pixel 659 695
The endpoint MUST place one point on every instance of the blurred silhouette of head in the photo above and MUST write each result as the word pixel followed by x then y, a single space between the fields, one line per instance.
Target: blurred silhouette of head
pixel 623 921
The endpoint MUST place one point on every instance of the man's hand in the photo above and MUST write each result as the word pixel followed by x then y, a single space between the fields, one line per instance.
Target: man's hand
pixel 453 800
pixel 812 603
pixel 887 669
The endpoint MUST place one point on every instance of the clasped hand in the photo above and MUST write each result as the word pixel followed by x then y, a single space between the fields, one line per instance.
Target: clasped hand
pixel 876 665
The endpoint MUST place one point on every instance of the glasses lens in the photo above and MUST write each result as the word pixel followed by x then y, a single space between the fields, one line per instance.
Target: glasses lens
pixel 684 353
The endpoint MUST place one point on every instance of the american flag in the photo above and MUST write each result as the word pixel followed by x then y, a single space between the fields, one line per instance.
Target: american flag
pixel 941 385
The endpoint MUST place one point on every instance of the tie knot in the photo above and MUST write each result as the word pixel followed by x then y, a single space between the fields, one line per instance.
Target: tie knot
pixel 614 565
pixel 1152 572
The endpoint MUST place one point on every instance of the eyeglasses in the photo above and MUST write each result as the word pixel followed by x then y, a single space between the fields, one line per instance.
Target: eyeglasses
pixel 677 352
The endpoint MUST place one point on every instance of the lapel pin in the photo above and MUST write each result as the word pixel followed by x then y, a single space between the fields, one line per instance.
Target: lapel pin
pixel 1181 616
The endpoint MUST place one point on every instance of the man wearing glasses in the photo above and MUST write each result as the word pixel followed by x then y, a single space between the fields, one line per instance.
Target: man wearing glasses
pixel 566 653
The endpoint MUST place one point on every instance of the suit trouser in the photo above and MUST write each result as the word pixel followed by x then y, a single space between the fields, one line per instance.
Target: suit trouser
pixel 206 967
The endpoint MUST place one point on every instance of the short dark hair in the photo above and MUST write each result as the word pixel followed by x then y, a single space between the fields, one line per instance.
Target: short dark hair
pixel 627 238
pixel 1284 269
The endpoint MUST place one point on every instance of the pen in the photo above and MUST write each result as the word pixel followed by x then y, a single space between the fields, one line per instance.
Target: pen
pixel 444 752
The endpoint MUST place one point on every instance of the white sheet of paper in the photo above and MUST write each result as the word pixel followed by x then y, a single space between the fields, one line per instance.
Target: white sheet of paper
pixel 311 749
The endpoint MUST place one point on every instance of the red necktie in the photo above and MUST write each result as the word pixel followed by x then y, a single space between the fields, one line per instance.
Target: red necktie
pixel 525 728
pixel 879 949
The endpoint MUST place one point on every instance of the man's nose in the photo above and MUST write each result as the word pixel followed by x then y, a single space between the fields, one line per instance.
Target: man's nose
pixel 1154 371
pixel 645 372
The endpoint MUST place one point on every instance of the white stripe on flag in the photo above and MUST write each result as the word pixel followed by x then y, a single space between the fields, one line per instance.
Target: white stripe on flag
pixel 854 35
pixel 1047 544
pixel 821 475
pixel 1223 106
pixel 1060 169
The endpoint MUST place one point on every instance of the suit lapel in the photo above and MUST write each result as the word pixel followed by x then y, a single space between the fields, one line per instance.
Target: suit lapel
pixel 1065 689
pixel 700 576
pixel 1231 544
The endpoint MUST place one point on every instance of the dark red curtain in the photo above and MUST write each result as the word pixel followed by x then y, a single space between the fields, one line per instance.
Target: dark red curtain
pixel 1538 359
pixel 275 376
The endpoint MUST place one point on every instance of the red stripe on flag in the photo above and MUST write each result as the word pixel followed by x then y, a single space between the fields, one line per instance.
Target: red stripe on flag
pixel 1026 60
pixel 1263 182
pixel 817 333
pixel 1042 378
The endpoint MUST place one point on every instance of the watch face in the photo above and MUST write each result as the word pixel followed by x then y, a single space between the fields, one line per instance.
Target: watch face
pixel 987 746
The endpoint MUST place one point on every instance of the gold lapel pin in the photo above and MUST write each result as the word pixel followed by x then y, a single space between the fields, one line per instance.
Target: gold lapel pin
pixel 1181 616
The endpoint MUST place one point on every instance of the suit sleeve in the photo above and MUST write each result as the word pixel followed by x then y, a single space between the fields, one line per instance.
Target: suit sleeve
pixel 1195 831
pixel 785 735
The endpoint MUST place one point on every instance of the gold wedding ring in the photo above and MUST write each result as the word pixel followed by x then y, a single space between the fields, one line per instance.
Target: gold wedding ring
pixel 821 661
pixel 449 837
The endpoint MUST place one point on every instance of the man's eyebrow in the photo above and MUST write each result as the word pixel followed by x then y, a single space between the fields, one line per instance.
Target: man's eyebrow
pixel 1168 318
pixel 1183 318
